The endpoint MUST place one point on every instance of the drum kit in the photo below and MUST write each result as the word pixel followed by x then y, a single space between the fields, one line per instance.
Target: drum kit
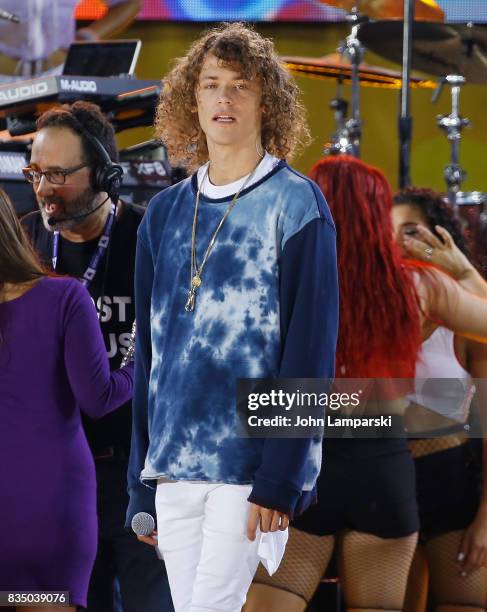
pixel 412 33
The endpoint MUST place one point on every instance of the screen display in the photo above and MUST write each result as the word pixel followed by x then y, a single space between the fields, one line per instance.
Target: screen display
pixel 107 58
pixel 265 10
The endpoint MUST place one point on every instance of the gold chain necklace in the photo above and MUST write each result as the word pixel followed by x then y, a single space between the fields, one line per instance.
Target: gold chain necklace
pixel 196 271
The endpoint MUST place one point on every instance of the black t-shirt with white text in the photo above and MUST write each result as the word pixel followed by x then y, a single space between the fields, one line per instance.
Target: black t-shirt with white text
pixel 112 290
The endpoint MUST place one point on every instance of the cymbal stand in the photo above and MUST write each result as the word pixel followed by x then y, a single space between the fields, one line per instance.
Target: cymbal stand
pixel 405 123
pixel 453 125
pixel 346 138
pixel 340 142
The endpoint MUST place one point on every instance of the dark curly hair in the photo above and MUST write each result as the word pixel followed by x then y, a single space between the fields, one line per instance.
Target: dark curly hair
pixel 437 212
pixel 284 127
pixel 81 116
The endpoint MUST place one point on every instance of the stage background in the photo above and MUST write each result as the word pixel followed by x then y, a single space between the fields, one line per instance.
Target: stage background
pixel 163 41
pixel 265 10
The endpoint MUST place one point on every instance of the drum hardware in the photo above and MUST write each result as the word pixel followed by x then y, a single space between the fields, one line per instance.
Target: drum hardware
pixel 452 125
pixel 334 67
pixel 470 205
pixel 405 121
pixel 347 136
pixel 341 140
pixel 455 52
pixel 438 49
pixel 424 10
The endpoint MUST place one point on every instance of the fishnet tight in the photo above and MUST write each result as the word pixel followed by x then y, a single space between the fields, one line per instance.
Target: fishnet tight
pixel 418 580
pixel 428 446
pixel 373 571
pixel 304 563
pixel 450 590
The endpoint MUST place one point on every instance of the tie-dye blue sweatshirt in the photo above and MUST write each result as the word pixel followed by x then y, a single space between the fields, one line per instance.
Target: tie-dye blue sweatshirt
pixel 268 306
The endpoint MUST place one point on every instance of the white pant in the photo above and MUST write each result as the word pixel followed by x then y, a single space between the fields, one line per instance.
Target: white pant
pixel 202 536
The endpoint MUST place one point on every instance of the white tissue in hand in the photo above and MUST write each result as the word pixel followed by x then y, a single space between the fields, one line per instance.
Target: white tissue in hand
pixel 271 549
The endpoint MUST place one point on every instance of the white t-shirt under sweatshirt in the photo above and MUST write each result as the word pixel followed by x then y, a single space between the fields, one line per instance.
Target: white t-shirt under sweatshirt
pixel 266 165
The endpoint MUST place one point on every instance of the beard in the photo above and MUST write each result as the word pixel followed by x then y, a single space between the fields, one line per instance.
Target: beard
pixel 84 204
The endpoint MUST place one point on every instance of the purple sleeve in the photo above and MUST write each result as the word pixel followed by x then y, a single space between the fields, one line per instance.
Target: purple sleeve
pixel 96 389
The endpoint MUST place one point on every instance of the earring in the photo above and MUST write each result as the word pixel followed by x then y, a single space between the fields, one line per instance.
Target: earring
pixel 259 148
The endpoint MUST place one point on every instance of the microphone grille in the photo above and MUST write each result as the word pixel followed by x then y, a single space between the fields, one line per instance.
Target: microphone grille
pixel 143 524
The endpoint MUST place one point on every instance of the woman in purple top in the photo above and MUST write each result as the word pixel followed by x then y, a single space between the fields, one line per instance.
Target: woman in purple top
pixel 53 365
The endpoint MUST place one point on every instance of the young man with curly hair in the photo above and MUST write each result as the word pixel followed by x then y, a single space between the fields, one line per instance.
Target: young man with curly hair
pixel 235 278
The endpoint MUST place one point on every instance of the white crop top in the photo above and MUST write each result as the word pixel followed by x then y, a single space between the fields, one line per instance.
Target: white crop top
pixel 442 385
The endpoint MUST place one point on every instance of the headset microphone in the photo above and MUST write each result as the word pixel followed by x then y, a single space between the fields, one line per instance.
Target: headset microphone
pixel 106 176
pixel 55 220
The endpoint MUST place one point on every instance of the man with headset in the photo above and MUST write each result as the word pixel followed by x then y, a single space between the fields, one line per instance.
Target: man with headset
pixel 85 231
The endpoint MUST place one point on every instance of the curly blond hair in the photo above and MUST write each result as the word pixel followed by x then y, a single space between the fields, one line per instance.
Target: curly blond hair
pixel 284 128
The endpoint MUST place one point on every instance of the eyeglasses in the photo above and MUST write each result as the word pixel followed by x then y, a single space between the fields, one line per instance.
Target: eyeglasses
pixel 56 177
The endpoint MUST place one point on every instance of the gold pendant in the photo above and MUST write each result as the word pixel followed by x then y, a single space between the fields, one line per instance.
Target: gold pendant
pixel 190 302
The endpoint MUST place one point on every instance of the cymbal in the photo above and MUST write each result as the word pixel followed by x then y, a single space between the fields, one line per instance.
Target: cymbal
pixel 333 66
pixel 424 10
pixel 438 48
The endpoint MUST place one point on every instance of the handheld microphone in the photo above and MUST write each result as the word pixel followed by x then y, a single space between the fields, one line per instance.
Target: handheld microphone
pixel 55 220
pixel 9 16
pixel 143 524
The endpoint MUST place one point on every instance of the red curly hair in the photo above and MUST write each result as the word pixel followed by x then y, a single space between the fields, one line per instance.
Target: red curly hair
pixel 380 332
